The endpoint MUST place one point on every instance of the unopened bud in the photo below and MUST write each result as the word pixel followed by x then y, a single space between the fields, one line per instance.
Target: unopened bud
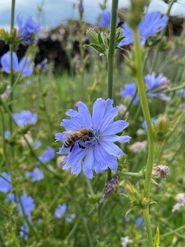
pixel 162 124
pixel 110 186
pixel 160 171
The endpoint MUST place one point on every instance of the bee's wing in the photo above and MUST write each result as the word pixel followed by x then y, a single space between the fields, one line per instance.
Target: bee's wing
pixel 68 133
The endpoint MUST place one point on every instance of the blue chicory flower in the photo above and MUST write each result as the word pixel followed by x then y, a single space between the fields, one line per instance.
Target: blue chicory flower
pixel 150 24
pixel 37 144
pixel 28 30
pixel 25 67
pixel 105 20
pixel 139 222
pixel 7 134
pixel 35 175
pixel 47 155
pixel 60 211
pixel 99 151
pixel 25 118
pixel 129 91
pixel 28 206
pixel 154 82
pixel 24 232
pixel 5 183
pixel 144 126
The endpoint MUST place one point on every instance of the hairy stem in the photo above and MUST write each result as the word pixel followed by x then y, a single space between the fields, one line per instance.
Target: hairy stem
pixel 139 63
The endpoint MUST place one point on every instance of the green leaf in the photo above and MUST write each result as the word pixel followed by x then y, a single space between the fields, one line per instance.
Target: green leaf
pixel 157 238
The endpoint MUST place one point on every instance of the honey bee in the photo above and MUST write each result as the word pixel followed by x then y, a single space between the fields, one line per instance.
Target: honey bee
pixel 82 135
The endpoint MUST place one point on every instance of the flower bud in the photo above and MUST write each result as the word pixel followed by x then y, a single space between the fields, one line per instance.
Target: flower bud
pixel 135 15
pixel 110 186
pixel 162 124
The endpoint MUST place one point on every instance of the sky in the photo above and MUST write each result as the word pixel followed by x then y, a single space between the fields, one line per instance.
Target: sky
pixel 57 11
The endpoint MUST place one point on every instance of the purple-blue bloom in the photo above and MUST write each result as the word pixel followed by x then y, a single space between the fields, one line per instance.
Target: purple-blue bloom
pixel 139 222
pixel 129 91
pixel 27 204
pixel 150 24
pixel 37 144
pixel 60 211
pixel 154 82
pixel 25 118
pixel 47 155
pixel 24 66
pixel 5 183
pixel 24 232
pixel 28 30
pixel 35 175
pixel 7 134
pixel 105 20
pixel 99 152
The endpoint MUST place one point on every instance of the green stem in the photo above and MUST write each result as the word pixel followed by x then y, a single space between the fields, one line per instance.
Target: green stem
pixel 11 60
pixel 3 135
pixel 111 54
pixel 112 47
pixel 139 63
pixel 133 174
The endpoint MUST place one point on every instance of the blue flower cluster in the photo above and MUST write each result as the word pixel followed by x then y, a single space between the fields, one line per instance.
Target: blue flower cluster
pixel 150 24
pixel 28 30
pixel 25 118
pixel 25 67
pixel 98 151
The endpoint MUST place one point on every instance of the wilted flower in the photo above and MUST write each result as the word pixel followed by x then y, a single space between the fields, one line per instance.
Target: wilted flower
pixel 61 161
pixel 60 211
pixel 47 155
pixel 138 147
pixel 105 20
pixel 180 202
pixel 28 30
pixel 35 175
pixel 154 120
pixel 160 171
pixel 5 182
pixel 25 118
pixel 129 91
pixel 25 67
pixel 125 241
pixel 150 24
pixel 96 150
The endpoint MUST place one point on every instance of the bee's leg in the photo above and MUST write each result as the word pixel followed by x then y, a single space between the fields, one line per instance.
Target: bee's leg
pixel 71 148
pixel 80 146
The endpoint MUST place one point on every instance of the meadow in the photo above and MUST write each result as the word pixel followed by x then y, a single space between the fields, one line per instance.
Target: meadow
pixel 94 155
